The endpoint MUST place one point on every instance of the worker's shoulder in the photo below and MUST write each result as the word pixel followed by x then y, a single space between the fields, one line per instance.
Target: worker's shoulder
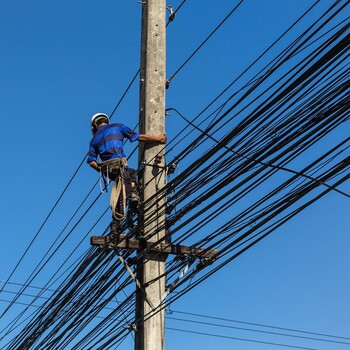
pixel 118 125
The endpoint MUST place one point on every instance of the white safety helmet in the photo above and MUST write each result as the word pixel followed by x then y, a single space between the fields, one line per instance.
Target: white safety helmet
pixel 95 118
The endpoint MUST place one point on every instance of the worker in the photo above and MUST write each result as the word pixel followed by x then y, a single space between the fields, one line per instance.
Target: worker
pixel 106 148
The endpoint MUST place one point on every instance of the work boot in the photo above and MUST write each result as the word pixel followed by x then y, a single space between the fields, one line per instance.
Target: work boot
pixel 134 200
pixel 115 228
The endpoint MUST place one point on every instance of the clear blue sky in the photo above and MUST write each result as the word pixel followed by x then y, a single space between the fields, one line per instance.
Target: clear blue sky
pixel 62 61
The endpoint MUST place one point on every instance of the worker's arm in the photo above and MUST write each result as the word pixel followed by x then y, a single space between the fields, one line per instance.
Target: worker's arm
pixel 150 138
pixel 95 166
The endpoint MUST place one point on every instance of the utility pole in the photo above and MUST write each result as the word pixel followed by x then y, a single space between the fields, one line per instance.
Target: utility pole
pixel 150 273
pixel 150 270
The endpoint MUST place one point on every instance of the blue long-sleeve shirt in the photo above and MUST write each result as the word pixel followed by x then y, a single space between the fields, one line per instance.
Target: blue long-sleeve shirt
pixel 107 143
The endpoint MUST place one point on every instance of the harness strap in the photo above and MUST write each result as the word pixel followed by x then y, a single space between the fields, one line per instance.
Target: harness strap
pixel 104 180
pixel 117 190
pixel 114 169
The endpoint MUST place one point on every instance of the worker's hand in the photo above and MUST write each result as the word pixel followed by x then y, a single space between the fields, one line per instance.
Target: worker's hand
pixel 162 138
pixel 95 166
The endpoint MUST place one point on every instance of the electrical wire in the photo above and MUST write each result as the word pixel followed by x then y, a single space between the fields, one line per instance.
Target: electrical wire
pixel 309 106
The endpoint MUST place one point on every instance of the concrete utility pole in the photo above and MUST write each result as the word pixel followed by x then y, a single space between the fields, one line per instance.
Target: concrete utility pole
pixel 150 326
pixel 150 273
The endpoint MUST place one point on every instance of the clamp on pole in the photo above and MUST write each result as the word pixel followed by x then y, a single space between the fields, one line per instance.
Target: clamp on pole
pixel 172 14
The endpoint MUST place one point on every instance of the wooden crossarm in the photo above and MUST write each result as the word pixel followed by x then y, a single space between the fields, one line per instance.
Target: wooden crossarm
pixel 135 244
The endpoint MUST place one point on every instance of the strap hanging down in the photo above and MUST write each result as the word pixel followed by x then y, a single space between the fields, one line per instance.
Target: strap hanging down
pixel 117 190
pixel 114 169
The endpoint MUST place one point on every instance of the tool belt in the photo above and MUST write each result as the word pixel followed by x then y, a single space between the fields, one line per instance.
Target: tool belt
pixel 113 169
